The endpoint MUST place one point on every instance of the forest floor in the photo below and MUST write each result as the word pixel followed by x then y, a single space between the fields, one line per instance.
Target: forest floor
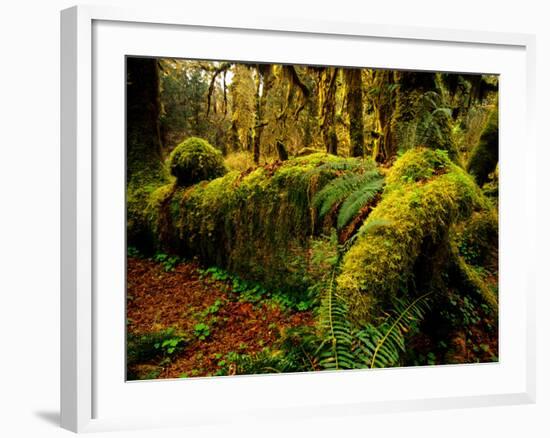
pixel 206 315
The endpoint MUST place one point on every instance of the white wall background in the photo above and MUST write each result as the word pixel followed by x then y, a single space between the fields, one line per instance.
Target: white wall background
pixel 29 217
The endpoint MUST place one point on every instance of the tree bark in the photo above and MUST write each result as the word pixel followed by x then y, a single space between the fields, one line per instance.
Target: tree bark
pixel 145 171
pixel 281 151
pixel 327 103
pixel 142 116
pixel 484 158
pixel 264 82
pixel 383 104
pixel 354 94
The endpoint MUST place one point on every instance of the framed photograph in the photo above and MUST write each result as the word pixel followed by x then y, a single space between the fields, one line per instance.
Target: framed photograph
pixel 272 218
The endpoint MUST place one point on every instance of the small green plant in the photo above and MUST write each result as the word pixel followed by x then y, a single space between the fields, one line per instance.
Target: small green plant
pixel 170 345
pixel 132 251
pixel 152 348
pixel 252 292
pixel 202 331
pixel 214 308
pixel 169 262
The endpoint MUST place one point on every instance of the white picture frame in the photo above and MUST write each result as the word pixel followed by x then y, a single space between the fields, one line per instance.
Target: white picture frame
pixel 93 39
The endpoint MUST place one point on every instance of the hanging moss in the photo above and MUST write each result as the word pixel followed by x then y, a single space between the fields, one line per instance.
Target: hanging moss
pixel 484 157
pixel 196 160
pixel 426 193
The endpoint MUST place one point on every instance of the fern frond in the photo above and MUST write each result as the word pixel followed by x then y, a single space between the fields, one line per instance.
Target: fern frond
pixel 358 199
pixel 389 337
pixel 345 186
pixel 336 350
pixel 334 192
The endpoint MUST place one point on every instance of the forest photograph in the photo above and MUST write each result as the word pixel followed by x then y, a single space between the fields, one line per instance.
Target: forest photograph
pixel 303 218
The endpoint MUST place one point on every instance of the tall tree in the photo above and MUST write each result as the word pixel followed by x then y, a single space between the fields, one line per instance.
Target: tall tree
pixel 242 92
pixel 144 151
pixel 326 92
pixel 381 95
pixel 145 170
pixel 264 82
pixel 354 98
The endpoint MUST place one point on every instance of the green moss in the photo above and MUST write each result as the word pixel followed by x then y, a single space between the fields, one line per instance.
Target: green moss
pixel 416 165
pixel 196 160
pixel 426 193
pixel 254 223
pixel 484 157
pixel 477 238
pixel 471 281
pixel 140 187
pixel 306 151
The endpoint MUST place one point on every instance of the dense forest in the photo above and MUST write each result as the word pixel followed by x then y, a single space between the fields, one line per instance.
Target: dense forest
pixel 287 218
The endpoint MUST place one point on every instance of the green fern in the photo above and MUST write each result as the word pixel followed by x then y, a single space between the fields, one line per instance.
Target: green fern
pixel 358 199
pixel 353 190
pixel 371 346
pixel 384 344
pixel 335 351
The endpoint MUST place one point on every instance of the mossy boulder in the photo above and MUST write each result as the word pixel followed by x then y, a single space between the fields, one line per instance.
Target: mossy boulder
pixel 426 193
pixel 196 160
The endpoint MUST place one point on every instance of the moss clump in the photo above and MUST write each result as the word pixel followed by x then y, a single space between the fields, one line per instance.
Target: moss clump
pixel 196 160
pixel 484 157
pixel 426 193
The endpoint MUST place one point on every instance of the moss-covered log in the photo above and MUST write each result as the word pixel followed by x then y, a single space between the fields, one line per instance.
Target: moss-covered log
pixel 253 223
pixel 425 195
pixel 484 158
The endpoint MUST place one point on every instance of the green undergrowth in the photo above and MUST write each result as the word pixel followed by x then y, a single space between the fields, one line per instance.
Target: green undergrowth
pixel 154 349
pixel 253 292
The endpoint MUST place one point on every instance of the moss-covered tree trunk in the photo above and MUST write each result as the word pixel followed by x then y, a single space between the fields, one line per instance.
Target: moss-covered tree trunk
pixel 484 157
pixel 327 107
pixel 382 99
pixel 422 117
pixel 142 117
pixel 264 83
pixel 354 95
pixel 411 88
pixel 145 170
